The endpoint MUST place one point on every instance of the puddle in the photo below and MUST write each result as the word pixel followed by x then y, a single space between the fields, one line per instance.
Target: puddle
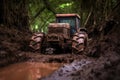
pixel 28 71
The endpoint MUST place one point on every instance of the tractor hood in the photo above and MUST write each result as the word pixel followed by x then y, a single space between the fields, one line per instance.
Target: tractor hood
pixel 59 29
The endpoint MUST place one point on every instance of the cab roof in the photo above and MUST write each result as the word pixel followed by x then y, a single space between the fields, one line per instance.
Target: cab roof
pixel 67 15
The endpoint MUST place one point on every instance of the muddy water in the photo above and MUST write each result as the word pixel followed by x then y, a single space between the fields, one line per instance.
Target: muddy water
pixel 28 71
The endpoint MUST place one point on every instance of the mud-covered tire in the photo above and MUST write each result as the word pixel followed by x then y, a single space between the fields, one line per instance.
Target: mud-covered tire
pixel 79 42
pixel 36 41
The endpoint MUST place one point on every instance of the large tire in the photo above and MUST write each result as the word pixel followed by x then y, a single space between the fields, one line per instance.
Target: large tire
pixel 79 42
pixel 36 41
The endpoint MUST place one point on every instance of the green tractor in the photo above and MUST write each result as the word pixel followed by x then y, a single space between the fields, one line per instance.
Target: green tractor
pixel 64 36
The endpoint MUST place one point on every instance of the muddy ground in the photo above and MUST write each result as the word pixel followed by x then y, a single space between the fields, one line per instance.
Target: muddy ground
pixel 103 53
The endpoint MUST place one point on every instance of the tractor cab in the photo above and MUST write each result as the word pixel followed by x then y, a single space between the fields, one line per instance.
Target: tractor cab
pixel 72 19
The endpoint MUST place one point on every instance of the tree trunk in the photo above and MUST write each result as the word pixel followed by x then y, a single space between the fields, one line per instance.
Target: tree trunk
pixel 13 13
pixel 88 17
pixel 1 11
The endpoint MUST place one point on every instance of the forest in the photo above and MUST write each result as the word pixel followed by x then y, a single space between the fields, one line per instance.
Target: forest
pixel 43 12
pixel 20 19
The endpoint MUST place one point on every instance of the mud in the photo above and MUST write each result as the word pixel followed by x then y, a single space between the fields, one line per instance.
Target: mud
pixel 28 71
pixel 66 71
pixel 100 61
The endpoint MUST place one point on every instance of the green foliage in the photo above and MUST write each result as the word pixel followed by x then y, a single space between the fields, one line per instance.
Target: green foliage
pixel 65 5
pixel 42 12
pixel 41 22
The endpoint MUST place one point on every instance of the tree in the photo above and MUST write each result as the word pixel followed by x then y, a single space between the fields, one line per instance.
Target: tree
pixel 92 12
pixel 14 13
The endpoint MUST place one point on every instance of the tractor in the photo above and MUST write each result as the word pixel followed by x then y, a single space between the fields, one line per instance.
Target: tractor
pixel 63 36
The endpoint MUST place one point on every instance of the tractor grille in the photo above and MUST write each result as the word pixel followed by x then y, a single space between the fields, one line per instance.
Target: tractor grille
pixel 52 37
pixel 55 30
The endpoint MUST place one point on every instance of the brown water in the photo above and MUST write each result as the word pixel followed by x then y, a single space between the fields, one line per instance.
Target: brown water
pixel 28 71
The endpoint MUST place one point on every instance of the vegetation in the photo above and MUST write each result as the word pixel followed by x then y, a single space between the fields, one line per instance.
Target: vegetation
pixel 39 13
pixel 42 12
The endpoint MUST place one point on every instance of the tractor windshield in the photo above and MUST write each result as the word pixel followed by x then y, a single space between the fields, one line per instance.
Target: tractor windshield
pixel 71 21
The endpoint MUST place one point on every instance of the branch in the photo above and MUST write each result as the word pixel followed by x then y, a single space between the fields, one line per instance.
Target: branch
pixel 113 10
pixel 45 22
pixel 38 13
pixel 48 6
pixel 88 17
